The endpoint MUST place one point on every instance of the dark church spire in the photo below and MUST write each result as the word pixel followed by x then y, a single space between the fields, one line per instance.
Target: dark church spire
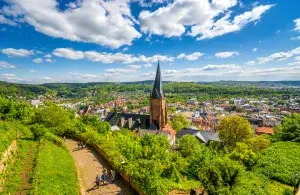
pixel 157 91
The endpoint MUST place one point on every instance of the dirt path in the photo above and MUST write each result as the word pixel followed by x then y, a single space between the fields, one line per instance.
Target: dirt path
pixel 89 164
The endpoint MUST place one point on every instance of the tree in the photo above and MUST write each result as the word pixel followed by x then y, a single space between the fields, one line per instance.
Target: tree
pixel 243 154
pixel 258 143
pixel 179 122
pixel 290 129
pixel 220 175
pixel 234 129
pixel 188 145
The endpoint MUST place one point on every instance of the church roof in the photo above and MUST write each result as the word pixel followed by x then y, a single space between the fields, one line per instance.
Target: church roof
pixel 157 91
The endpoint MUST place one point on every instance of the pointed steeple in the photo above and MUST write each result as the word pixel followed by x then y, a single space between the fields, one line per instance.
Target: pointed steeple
pixel 157 91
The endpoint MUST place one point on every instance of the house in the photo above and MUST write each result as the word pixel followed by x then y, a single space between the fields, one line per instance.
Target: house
pixel 203 136
pixel 264 130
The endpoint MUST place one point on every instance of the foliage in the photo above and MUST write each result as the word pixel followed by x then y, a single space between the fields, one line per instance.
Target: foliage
pixel 234 129
pixel 188 145
pixel 55 171
pixel 290 129
pixel 179 122
pixel 258 143
pixel 38 131
pixel 281 162
pixel 100 126
pixel 220 175
pixel 243 154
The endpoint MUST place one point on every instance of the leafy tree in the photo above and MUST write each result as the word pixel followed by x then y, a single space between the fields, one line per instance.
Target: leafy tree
pixel 290 129
pixel 234 129
pixel 155 146
pixel 179 122
pixel 38 131
pixel 258 143
pixel 243 154
pixel 220 175
pixel 188 145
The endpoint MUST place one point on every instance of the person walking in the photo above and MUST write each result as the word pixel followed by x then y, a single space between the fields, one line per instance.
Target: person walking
pixel 98 180
pixel 112 176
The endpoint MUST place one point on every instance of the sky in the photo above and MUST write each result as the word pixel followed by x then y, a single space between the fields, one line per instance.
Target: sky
pixel 47 41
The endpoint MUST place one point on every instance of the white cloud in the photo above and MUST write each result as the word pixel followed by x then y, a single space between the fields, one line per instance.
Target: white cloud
pixel 134 66
pixel 254 49
pixel 49 60
pixel 147 65
pixel 108 58
pixel 33 71
pixel 119 70
pixel 297 58
pixel 297 23
pixel 48 56
pixel 226 54
pixel 279 56
pixel 191 57
pixel 295 38
pixel 297 63
pixel 4 20
pixel 125 49
pixel 17 52
pixel 37 60
pixel 108 23
pixel 250 63
pixel 4 64
pixel 174 19
pixel 68 53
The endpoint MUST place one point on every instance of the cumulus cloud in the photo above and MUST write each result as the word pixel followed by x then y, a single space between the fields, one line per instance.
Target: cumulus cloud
pixel 33 71
pixel 297 58
pixel 191 57
pixel 48 56
pixel 119 70
pixel 4 64
pixel 226 54
pixel 107 23
pixel 108 58
pixel 207 19
pixel 134 66
pixel 250 63
pixel 68 53
pixel 11 52
pixel 147 65
pixel 280 56
pixel 297 23
pixel 37 60
pixel 295 38
pixel 254 49
pixel 4 20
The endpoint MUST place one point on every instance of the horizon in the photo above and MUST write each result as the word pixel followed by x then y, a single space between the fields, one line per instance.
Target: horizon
pixel 122 41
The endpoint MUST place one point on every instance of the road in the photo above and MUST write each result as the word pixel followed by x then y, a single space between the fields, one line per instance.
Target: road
pixel 89 163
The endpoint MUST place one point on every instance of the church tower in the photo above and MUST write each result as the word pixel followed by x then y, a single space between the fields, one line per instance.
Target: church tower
pixel 158 106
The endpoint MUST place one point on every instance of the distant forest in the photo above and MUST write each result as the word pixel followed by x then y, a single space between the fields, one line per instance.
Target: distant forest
pixel 175 91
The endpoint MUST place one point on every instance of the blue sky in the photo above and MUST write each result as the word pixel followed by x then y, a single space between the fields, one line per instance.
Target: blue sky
pixel 121 40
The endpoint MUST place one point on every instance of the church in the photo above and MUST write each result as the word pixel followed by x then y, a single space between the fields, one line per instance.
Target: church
pixel 155 123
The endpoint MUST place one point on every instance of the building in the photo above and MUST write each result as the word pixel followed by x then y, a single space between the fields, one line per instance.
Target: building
pixel 155 123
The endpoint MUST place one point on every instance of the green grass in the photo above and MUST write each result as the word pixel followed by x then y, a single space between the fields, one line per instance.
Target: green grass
pixel 18 175
pixel 7 134
pixel 9 131
pixel 280 162
pixel 55 172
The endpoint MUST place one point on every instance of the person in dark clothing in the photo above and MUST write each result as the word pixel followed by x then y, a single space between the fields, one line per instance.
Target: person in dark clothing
pixel 98 180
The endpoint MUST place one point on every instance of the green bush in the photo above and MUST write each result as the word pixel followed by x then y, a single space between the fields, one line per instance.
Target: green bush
pixel 280 162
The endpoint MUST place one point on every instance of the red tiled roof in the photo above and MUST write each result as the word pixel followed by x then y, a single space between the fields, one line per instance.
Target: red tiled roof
pixel 265 130
pixel 168 129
